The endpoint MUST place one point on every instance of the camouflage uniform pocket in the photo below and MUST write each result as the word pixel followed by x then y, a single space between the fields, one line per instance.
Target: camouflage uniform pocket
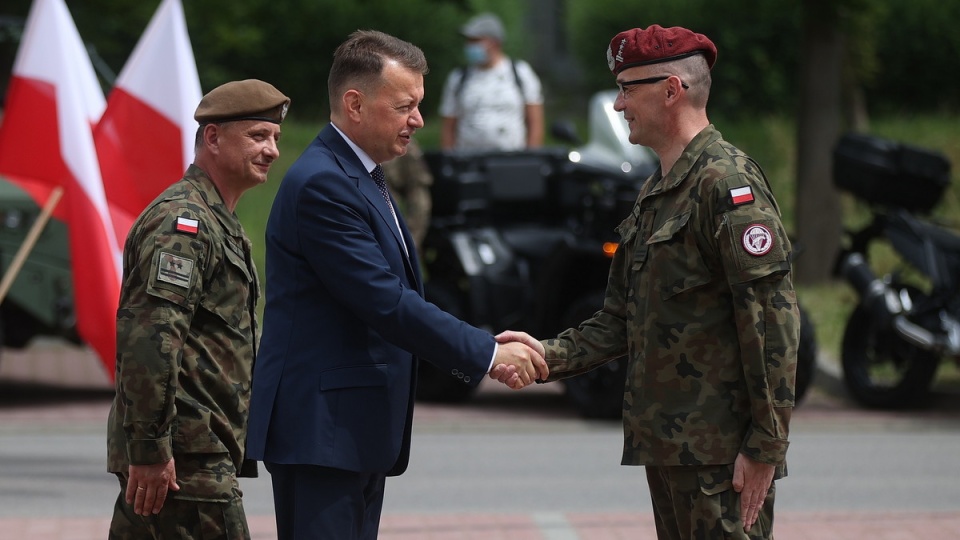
pixel 194 436
pixel 757 245
pixel 206 477
pixel 679 266
pixel 213 521
pixel 228 293
pixel 715 479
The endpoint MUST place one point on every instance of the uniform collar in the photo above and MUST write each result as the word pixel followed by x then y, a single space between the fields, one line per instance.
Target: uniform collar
pixel 684 164
pixel 211 196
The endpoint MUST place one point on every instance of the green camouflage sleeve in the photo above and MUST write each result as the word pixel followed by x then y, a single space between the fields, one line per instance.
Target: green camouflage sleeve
pixel 163 274
pixel 754 248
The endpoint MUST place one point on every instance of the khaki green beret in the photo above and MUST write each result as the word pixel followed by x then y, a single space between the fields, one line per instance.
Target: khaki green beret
pixel 250 99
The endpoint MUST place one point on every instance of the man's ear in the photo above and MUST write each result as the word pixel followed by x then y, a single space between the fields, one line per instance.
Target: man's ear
pixel 352 104
pixel 211 137
pixel 673 88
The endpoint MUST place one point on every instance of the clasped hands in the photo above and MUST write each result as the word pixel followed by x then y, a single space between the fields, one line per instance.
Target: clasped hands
pixel 519 360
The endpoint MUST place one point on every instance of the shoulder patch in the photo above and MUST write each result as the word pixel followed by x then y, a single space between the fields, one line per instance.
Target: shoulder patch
pixel 741 195
pixel 187 225
pixel 174 269
pixel 757 240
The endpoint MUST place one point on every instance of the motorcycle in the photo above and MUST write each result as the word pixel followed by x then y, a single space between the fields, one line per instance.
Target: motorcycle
pixel 907 319
pixel 523 240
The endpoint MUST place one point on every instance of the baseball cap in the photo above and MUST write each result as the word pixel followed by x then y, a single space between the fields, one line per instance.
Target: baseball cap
pixel 483 25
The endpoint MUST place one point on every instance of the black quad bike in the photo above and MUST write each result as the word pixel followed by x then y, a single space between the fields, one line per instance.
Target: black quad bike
pixel 523 240
pixel 907 319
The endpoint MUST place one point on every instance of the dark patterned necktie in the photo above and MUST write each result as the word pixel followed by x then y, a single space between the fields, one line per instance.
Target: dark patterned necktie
pixel 377 175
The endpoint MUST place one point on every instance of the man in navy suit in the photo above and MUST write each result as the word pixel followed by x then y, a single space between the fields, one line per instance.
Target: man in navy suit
pixel 345 320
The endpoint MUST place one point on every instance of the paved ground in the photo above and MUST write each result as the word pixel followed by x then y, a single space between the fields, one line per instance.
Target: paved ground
pixel 83 397
pixel 594 526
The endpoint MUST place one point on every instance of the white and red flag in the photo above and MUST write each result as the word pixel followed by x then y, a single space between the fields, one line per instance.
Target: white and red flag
pixel 741 195
pixel 46 140
pixel 145 137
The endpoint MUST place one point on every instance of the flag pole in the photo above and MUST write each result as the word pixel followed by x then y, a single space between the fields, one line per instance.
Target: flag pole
pixel 29 242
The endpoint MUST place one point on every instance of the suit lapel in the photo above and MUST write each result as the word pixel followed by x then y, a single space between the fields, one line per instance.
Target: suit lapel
pixel 353 167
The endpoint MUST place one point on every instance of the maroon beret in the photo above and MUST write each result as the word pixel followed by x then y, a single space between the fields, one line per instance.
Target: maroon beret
pixel 655 44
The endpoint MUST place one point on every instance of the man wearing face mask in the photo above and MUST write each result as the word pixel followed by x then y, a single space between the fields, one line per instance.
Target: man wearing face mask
pixel 496 102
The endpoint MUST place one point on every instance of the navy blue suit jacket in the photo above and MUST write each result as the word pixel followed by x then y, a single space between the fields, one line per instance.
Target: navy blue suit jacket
pixel 345 322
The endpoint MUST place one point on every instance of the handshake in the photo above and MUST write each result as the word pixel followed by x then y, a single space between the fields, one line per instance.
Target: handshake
pixel 519 360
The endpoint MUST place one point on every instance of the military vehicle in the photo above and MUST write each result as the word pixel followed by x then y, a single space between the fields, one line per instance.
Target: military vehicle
pixel 523 241
pixel 40 300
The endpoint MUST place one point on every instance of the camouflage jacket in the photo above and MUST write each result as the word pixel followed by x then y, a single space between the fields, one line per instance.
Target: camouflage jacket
pixel 186 334
pixel 701 300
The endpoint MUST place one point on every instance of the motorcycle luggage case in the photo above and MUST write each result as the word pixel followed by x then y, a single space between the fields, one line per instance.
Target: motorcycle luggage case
pixel 888 173
pixel 467 182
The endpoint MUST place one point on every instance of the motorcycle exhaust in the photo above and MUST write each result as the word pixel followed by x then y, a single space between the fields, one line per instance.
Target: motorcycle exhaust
pixel 874 293
pixel 915 335
pixel 884 302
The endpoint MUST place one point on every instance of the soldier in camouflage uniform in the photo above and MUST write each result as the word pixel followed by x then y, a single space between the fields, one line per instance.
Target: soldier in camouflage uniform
pixel 186 332
pixel 409 180
pixel 700 299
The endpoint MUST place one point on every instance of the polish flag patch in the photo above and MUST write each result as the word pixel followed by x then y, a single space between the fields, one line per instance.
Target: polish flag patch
pixel 187 225
pixel 741 195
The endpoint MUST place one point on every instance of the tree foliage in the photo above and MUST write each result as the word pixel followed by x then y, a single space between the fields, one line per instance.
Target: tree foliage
pixel 757 43
pixel 902 53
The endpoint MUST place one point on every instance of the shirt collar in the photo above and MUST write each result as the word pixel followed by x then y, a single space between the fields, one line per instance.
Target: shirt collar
pixel 368 162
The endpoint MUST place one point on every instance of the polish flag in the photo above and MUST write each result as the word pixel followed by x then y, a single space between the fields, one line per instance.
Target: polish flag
pixel 46 140
pixel 741 195
pixel 145 138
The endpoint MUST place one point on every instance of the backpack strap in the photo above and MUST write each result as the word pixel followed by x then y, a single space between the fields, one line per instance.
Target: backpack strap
pixel 465 73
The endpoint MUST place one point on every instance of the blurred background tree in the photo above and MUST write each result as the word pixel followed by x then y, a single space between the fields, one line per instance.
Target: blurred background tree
pixel 904 52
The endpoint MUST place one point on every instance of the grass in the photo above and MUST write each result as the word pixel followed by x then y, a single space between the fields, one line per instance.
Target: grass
pixel 771 141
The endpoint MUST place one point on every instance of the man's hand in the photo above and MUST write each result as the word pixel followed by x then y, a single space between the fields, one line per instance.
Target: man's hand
pixel 511 335
pixel 519 360
pixel 751 479
pixel 147 486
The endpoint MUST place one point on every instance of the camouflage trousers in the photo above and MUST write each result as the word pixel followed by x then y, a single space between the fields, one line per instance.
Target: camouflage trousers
pixel 180 519
pixel 700 503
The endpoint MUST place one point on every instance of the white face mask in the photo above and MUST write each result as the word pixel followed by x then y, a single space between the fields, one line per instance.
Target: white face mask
pixel 475 53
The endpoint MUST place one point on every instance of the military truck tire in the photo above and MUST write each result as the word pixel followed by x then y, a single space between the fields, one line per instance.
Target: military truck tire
pixel 433 384
pixel 597 393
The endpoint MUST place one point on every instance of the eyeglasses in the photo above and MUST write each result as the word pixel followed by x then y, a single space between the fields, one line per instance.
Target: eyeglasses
pixel 649 80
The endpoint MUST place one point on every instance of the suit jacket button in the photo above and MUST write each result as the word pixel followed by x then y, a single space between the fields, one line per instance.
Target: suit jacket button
pixel 455 372
pixel 466 379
